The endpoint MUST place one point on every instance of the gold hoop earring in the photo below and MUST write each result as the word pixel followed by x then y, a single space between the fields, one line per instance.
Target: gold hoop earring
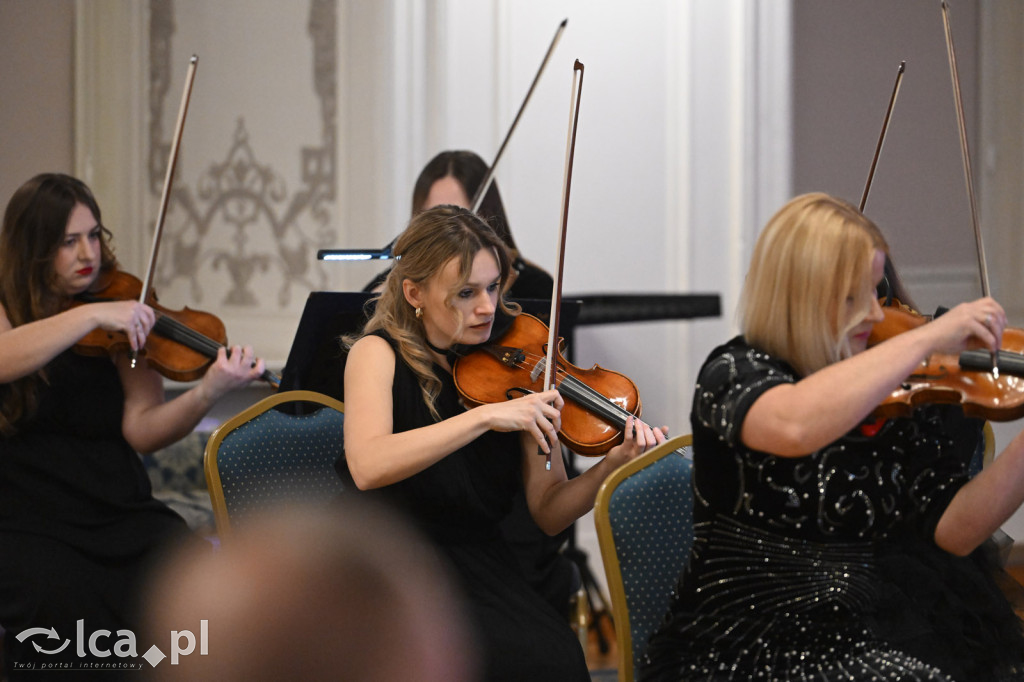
pixel 419 313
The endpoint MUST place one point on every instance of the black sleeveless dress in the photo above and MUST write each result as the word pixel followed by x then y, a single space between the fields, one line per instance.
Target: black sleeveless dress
pixel 459 502
pixel 786 579
pixel 78 522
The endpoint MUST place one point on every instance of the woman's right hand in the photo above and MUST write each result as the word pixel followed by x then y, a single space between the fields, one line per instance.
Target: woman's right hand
pixel 133 318
pixel 977 324
pixel 539 414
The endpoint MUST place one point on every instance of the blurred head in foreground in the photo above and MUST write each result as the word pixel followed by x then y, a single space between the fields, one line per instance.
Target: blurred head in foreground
pixel 343 593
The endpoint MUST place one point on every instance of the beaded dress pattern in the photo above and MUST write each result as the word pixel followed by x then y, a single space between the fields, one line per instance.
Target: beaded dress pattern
pixel 782 572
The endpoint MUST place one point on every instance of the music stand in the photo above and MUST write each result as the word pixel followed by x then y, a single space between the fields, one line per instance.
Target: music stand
pixel 316 361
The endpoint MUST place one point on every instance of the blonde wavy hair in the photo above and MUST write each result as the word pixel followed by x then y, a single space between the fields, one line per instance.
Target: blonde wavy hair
pixel 809 262
pixel 431 240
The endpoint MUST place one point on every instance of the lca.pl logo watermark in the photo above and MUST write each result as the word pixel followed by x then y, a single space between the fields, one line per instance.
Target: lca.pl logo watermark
pixel 99 644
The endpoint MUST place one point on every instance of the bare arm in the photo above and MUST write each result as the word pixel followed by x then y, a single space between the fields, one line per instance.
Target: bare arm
pixel 841 395
pixel 29 347
pixel 984 503
pixel 377 456
pixel 555 501
pixel 149 423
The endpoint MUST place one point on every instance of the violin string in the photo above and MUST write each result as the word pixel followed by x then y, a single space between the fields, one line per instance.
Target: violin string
pixel 186 335
pixel 172 328
pixel 199 342
pixel 583 393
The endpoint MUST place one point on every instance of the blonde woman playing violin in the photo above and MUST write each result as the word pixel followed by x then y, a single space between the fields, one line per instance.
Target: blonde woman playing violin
pixel 796 485
pixel 455 471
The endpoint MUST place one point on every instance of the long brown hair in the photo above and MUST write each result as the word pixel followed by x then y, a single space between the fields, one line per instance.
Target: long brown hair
pixel 34 225
pixel 432 239
pixel 469 170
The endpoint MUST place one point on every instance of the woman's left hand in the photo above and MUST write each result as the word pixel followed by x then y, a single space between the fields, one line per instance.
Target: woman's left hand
pixel 639 439
pixel 230 371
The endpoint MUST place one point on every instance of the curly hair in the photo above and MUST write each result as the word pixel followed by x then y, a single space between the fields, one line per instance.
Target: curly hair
pixel 432 239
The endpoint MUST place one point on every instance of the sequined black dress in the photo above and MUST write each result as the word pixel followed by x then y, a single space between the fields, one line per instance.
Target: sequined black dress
pixel 783 581
pixel 458 503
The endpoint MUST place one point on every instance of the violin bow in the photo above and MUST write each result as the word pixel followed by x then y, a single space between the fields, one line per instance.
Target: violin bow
pixel 485 184
pixel 172 163
pixel 556 290
pixel 881 136
pixel 966 156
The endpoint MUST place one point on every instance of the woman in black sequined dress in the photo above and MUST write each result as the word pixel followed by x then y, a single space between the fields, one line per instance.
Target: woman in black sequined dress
pixel 796 485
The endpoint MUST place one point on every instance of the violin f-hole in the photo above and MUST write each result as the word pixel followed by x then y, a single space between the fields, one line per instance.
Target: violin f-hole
pixel 511 394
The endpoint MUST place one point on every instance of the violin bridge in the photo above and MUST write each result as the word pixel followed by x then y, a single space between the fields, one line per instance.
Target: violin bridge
pixel 510 357
pixel 538 368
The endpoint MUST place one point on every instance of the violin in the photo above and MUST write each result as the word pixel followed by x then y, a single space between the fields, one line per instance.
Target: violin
pixel 528 357
pixel 182 345
pixel 598 400
pixel 966 380
pixel 985 384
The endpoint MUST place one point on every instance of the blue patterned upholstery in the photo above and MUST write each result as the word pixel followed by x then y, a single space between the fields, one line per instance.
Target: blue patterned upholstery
pixel 644 518
pixel 264 456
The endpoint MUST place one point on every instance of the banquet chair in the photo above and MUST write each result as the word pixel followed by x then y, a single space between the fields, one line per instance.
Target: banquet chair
pixel 989 452
pixel 282 449
pixel 644 519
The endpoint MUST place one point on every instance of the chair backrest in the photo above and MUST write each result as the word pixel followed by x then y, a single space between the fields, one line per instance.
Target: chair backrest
pixel 264 456
pixel 989 451
pixel 644 519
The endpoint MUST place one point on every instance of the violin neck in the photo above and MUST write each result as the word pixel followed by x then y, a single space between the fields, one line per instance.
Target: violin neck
pixel 981 361
pixel 174 330
pixel 181 333
pixel 580 393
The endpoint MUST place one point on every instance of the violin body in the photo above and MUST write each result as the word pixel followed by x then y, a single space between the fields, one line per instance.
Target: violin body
pixel 965 380
pixel 597 400
pixel 165 350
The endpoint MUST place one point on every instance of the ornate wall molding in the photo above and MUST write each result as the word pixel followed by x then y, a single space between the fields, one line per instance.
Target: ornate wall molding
pixel 256 187
pixel 110 83
pixel 271 227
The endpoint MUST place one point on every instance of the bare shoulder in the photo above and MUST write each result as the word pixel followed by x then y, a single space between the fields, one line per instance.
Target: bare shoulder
pixel 370 356
pixel 371 347
pixel 5 322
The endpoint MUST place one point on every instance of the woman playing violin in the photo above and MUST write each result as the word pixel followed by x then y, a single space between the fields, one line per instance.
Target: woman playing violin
pixel 78 522
pixel 945 609
pixel 455 471
pixel 796 486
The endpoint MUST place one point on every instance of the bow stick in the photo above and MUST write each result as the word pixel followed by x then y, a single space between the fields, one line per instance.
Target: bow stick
pixel 556 290
pixel 478 196
pixel 966 156
pixel 881 136
pixel 172 163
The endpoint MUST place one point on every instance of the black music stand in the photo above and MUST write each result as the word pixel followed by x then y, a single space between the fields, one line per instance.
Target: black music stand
pixel 316 361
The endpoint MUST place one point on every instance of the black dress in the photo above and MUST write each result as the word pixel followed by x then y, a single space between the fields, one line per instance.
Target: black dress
pixel 550 572
pixel 459 502
pixel 784 579
pixel 78 522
